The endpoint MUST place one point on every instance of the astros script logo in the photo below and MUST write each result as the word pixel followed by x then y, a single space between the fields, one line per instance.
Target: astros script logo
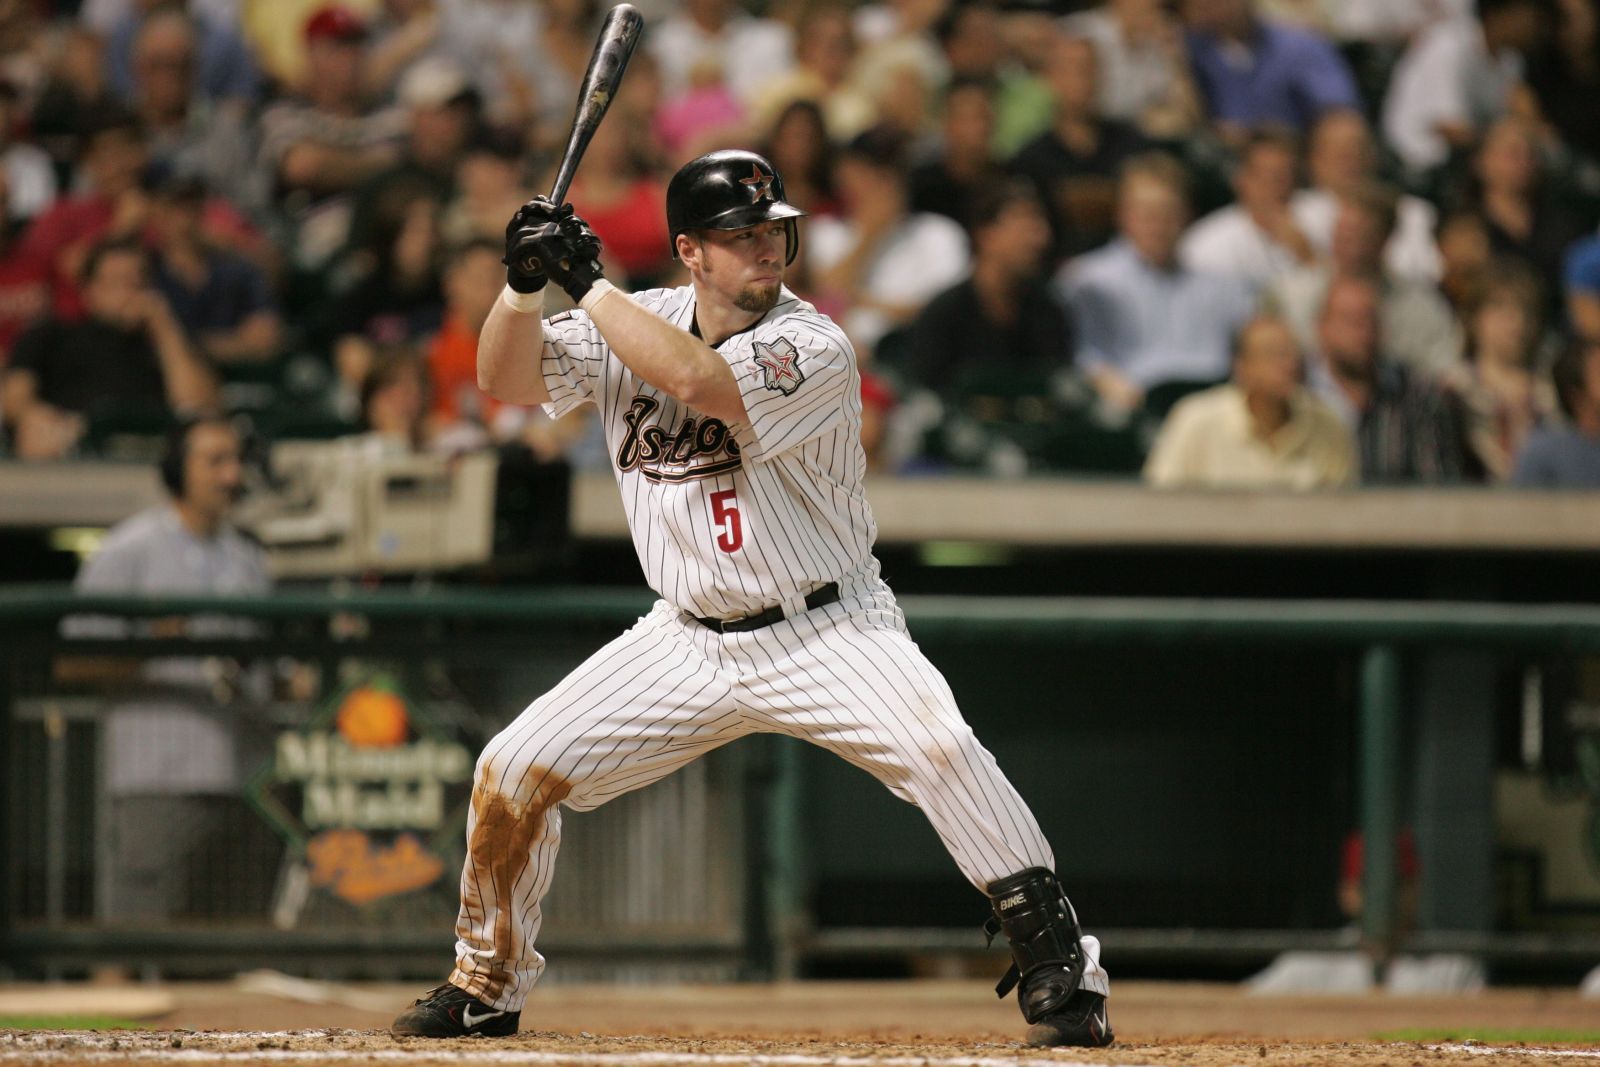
pixel 780 366
pixel 760 184
pixel 702 447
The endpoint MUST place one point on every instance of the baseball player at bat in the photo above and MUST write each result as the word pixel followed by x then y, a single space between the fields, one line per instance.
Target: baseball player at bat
pixel 732 411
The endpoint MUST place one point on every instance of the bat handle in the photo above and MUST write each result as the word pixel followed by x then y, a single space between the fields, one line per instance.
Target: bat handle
pixel 558 191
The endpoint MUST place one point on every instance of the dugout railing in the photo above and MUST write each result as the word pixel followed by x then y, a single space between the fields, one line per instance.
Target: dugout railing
pixel 703 876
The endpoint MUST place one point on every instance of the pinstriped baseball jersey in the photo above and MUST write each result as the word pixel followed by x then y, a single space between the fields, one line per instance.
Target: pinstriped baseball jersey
pixel 731 520
pixel 728 522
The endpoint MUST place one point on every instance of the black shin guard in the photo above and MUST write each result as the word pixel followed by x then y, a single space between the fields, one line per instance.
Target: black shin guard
pixel 1046 944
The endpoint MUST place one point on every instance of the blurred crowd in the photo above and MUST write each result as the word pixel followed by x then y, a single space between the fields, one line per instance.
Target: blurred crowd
pixel 1291 243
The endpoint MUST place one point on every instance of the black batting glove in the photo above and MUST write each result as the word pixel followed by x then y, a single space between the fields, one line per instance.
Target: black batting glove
pixel 577 272
pixel 566 250
pixel 524 270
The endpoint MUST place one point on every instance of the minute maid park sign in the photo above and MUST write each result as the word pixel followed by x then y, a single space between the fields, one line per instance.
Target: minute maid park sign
pixel 369 790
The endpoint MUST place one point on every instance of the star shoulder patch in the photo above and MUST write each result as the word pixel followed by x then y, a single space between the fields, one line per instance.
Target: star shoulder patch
pixel 780 366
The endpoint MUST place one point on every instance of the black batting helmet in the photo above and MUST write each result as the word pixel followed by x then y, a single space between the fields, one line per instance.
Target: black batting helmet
pixel 728 190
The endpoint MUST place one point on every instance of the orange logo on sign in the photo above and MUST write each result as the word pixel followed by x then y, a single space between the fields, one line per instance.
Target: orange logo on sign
pixel 373 718
pixel 345 862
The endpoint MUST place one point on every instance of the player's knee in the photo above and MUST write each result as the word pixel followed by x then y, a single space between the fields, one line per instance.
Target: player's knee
pixel 500 765
pixel 513 767
pixel 525 787
pixel 492 758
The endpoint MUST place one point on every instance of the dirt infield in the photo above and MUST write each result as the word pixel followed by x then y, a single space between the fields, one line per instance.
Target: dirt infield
pixel 926 1024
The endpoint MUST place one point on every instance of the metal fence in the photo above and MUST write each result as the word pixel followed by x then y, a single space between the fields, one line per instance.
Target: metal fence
pixel 184 798
pixel 322 830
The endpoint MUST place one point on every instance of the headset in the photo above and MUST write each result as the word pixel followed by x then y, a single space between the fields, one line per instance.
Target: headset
pixel 175 457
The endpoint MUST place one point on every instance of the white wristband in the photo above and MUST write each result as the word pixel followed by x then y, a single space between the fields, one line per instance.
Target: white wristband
pixel 597 292
pixel 522 303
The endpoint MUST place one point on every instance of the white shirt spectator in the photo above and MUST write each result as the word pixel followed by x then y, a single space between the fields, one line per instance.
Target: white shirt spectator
pixel 923 257
pixel 1417 325
pixel 502 40
pixel 30 179
pixel 751 52
pixel 1381 21
pixel 885 48
pixel 1228 242
pixel 1447 76
pixel 489 31
pixel 1412 251
pixel 171 739
pixel 1134 76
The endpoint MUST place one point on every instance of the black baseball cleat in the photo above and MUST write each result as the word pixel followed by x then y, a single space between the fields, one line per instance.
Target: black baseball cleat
pixel 445 1011
pixel 1081 1021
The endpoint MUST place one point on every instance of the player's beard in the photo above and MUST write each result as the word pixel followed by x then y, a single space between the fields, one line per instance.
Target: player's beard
pixel 758 299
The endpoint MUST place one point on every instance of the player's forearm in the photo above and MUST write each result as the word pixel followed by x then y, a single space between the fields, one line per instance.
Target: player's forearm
pixel 671 359
pixel 510 350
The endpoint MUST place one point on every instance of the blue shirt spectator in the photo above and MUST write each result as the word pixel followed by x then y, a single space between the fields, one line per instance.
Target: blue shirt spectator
pixel 226 69
pixel 172 746
pixel 231 290
pixel 223 301
pixel 1558 457
pixel 1252 72
pixel 1143 318
pixel 1153 323
pixel 1581 281
pixel 1567 457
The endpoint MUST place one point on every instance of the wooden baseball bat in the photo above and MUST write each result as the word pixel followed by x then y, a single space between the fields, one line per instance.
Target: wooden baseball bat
pixel 617 39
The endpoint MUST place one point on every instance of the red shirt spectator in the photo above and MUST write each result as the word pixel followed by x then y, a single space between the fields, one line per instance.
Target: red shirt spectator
pixel 453 375
pixel 633 229
pixel 114 207
pixel 24 299
pixel 472 282
pixel 624 206
pixel 24 284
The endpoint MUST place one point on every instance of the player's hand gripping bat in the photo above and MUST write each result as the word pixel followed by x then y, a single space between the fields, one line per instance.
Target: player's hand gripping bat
pixel 618 37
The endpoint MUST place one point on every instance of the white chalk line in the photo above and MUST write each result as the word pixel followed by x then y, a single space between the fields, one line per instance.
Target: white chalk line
pixel 1512 1050
pixel 103 1048
pixel 98 1048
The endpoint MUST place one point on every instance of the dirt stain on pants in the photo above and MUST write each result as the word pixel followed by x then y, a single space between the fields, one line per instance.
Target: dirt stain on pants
pixel 503 836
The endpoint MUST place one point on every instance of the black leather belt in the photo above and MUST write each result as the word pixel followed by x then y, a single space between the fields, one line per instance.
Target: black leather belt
pixel 826 594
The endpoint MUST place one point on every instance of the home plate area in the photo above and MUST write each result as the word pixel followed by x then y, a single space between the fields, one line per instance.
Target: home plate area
pixel 280 1020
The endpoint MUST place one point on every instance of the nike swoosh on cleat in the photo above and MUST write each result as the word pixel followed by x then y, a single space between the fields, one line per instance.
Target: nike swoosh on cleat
pixel 469 1022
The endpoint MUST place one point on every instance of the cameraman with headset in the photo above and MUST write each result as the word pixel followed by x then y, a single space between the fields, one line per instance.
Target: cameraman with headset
pixel 171 746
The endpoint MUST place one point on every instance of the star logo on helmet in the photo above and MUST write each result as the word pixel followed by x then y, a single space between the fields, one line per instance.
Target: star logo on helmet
pixel 760 184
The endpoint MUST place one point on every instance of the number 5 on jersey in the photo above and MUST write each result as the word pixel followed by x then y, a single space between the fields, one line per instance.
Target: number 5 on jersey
pixel 725 513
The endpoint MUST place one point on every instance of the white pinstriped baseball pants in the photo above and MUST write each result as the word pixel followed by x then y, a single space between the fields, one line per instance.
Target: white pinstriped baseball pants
pixel 845 676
